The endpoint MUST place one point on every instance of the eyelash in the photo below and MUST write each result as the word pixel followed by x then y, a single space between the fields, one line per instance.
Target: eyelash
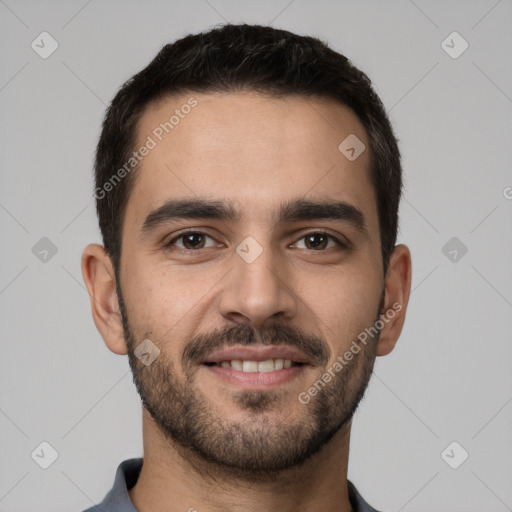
pixel 169 244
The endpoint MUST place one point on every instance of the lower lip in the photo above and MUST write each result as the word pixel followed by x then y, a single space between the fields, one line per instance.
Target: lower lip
pixel 256 380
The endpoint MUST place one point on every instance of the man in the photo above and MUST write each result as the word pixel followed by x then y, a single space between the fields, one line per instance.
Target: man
pixel 247 185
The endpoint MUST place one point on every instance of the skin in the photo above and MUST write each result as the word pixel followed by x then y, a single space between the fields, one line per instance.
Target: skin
pixel 255 152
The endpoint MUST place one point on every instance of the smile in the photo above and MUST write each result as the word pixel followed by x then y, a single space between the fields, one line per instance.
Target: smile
pixel 249 366
pixel 255 375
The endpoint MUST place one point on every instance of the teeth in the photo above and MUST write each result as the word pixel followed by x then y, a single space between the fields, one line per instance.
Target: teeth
pixel 266 366
pixel 236 364
pixel 257 366
pixel 249 366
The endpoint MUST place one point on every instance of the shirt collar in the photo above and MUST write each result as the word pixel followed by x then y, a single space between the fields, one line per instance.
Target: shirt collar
pixel 127 474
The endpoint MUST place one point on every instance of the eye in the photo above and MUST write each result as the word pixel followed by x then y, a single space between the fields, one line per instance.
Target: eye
pixel 190 241
pixel 320 240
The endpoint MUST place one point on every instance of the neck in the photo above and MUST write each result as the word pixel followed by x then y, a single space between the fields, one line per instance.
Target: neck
pixel 173 479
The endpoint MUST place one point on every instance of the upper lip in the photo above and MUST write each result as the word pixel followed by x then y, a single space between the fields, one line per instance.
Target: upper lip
pixel 258 353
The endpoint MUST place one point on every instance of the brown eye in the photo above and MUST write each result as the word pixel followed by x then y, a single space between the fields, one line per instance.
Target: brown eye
pixel 316 241
pixel 191 240
pixel 319 241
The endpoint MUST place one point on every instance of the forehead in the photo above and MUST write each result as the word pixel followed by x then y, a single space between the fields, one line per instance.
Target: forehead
pixel 253 151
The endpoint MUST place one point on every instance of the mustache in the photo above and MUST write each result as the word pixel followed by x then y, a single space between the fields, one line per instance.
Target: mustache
pixel 203 345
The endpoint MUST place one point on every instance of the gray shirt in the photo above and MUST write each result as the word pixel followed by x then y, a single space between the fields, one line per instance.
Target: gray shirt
pixel 118 500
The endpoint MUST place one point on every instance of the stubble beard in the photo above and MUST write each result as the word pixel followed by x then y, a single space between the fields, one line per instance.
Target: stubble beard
pixel 259 447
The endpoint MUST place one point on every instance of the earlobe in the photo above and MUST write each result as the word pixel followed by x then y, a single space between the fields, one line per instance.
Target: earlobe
pixel 99 277
pixel 397 291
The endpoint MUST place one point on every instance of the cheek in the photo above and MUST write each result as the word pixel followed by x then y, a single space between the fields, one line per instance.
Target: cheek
pixel 165 305
pixel 159 292
pixel 345 304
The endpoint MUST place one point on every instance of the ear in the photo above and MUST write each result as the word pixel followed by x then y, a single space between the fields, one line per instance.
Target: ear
pixel 397 291
pixel 99 277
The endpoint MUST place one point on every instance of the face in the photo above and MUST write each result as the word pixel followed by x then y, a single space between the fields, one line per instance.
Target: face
pixel 249 242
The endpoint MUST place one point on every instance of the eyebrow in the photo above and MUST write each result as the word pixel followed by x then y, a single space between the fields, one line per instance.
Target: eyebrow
pixel 294 210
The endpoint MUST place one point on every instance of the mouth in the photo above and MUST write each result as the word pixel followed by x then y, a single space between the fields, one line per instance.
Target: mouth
pixel 248 366
pixel 256 367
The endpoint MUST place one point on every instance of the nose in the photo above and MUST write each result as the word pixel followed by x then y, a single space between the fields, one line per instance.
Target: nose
pixel 258 291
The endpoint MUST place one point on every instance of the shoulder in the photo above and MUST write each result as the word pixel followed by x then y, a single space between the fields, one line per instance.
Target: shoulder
pixel 357 501
pixel 118 499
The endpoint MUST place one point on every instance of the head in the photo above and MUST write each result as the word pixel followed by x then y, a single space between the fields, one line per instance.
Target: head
pixel 232 217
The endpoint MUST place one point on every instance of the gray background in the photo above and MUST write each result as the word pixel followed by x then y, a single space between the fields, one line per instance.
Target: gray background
pixel 449 378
